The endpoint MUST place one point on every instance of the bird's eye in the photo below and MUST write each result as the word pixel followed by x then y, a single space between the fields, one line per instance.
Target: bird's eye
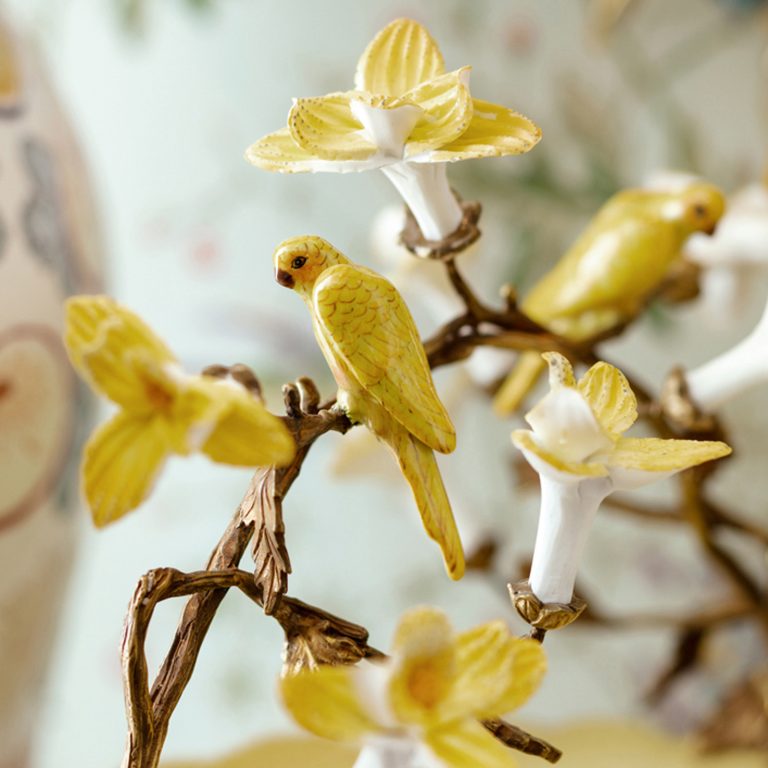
pixel 699 211
pixel 298 262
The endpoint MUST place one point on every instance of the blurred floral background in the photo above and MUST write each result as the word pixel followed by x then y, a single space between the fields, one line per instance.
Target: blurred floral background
pixel 165 96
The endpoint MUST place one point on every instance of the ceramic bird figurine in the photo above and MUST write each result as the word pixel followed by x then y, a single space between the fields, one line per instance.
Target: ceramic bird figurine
pixel 611 270
pixel 372 346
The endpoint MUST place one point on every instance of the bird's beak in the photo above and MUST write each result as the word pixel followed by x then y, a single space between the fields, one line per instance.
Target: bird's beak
pixel 284 278
pixel 710 230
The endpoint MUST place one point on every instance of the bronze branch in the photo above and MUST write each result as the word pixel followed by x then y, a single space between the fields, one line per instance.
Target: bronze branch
pixel 314 636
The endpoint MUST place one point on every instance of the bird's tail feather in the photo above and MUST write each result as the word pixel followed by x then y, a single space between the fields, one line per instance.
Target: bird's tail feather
pixel 519 383
pixel 417 462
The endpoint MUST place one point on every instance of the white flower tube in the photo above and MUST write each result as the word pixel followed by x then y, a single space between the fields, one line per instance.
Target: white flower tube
pixel 424 188
pixel 727 375
pixel 388 752
pixel 568 509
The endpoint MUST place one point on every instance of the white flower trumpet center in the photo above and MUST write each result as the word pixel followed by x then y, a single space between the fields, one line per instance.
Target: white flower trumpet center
pixel 563 424
pixel 388 129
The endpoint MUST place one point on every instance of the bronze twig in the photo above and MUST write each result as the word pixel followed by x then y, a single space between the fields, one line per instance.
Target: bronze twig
pixel 149 712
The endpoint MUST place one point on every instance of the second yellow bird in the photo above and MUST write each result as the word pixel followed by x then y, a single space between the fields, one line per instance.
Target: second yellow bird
pixel 611 271
pixel 372 346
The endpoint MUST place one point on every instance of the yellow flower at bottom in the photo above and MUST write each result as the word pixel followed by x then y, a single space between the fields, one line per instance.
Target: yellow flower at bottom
pixel 427 698
pixel 162 409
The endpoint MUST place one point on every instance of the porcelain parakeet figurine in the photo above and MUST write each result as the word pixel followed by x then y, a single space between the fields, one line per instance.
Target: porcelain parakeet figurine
pixel 372 346
pixel 611 270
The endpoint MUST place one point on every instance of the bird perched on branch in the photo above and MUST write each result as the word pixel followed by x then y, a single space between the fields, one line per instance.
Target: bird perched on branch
pixel 372 346
pixel 612 270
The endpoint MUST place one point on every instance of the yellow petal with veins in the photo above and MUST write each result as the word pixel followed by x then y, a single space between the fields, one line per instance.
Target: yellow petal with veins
pixel 528 666
pixel 325 702
pixel 424 665
pixel 560 370
pixel 495 672
pixel 524 439
pixel 447 112
pixel 88 316
pixel 326 128
pixel 112 348
pixel 121 462
pixel 494 131
pixel 278 152
pixel 653 454
pixel 608 393
pixel 400 57
pixel 246 433
pixel 467 744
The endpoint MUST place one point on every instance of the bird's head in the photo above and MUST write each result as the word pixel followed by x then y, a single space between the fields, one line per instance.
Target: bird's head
pixel 703 205
pixel 299 261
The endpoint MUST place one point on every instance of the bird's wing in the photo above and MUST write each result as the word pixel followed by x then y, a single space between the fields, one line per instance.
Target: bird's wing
pixel 614 267
pixel 366 323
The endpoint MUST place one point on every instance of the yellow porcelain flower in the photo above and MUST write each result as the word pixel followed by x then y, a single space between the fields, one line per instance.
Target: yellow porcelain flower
pixel 406 116
pixel 422 705
pixel 577 446
pixel 162 409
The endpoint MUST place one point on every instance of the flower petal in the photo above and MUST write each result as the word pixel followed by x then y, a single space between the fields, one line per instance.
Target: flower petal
pixel 495 672
pixel 493 132
pixel 447 112
pixel 400 57
pixel 279 152
pixel 529 663
pixel 560 370
pixel 325 702
pixel 326 128
pixel 423 668
pixel 652 454
pixel 121 462
pixel 112 348
pixel 468 745
pixel 546 461
pixel 247 434
pixel 608 393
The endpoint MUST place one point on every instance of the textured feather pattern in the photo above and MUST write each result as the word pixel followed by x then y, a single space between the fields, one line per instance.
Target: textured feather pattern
pixel 368 330
pixel 420 469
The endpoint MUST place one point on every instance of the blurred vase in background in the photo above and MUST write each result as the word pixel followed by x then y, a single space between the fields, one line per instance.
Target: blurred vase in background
pixel 48 250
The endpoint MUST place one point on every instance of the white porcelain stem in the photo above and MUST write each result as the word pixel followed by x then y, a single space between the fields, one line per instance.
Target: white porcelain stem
pixel 390 753
pixel 567 511
pixel 720 379
pixel 425 190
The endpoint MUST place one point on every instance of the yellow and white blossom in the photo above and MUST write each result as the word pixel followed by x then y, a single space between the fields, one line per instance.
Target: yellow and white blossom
pixel 162 410
pixel 578 448
pixel 406 116
pixel 421 706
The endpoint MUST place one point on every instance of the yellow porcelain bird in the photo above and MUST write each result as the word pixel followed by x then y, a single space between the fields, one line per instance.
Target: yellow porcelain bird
pixel 611 270
pixel 372 346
